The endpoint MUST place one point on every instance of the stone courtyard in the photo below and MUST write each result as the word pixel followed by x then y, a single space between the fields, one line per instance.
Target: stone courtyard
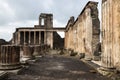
pixel 54 67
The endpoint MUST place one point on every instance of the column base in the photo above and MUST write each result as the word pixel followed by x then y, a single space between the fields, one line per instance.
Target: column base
pixel 10 66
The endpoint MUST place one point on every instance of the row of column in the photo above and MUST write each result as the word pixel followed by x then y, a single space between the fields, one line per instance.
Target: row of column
pixel 29 37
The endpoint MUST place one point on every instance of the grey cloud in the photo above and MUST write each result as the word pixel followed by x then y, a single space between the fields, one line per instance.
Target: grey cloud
pixel 29 10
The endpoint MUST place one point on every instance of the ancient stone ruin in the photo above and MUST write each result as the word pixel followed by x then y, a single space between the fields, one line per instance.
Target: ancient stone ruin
pixel 82 38
pixel 111 34
pixel 38 35
pixel 82 34
pixel 9 57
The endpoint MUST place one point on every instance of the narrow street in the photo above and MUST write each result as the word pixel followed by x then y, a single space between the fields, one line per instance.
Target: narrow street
pixel 57 68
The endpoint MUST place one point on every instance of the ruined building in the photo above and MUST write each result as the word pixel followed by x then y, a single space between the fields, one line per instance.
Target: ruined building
pixel 39 34
pixel 30 41
pixel 82 34
pixel 111 34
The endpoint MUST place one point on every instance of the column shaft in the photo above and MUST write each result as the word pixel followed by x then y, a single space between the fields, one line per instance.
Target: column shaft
pixel 39 37
pixel 34 37
pixel 29 37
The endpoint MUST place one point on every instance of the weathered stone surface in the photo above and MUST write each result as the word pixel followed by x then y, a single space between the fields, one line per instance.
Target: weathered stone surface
pixel 9 57
pixel 82 35
pixel 37 50
pixel 104 1
pixel 27 53
pixel 82 55
pixel 39 34
pixel 111 34
pixel 57 68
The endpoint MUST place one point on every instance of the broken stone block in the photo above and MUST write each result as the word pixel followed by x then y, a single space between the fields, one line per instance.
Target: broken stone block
pixel 61 52
pixel 73 53
pixel 88 57
pixel 82 55
pixel 97 58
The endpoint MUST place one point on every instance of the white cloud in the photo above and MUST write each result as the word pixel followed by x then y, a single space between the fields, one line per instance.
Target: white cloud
pixel 7 31
pixel 25 23
pixel 6 12
pixel 47 4
pixel 5 8
pixel 57 23
pixel 25 13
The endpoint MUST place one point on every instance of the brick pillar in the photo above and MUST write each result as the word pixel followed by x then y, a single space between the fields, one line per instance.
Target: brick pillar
pixel 9 57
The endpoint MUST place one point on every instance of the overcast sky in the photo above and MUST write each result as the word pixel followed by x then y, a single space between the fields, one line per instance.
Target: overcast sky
pixel 25 13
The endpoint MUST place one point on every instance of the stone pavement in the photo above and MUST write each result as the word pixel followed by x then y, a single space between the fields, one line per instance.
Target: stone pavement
pixel 57 68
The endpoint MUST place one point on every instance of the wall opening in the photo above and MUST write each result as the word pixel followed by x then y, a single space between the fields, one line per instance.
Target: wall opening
pixel 42 37
pixel 26 37
pixel 42 21
pixel 32 37
pixel 21 37
pixel 58 40
pixel 37 37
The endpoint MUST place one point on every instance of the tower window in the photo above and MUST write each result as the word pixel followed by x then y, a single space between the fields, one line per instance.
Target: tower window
pixel 42 21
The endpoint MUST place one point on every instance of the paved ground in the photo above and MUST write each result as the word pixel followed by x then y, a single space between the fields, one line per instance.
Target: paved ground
pixel 57 68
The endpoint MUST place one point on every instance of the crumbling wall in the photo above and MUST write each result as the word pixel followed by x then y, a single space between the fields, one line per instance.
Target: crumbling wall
pixel 82 35
pixel 111 33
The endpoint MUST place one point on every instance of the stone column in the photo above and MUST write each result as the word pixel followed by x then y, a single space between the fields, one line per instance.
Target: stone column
pixel 107 38
pixel 39 37
pixel 116 32
pixel 29 37
pixel 34 37
pixel 9 57
pixel 45 37
pixel 51 40
pixel 24 37
pixel 19 37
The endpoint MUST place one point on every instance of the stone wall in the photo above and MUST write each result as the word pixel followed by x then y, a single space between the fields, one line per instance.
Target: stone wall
pixel 82 35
